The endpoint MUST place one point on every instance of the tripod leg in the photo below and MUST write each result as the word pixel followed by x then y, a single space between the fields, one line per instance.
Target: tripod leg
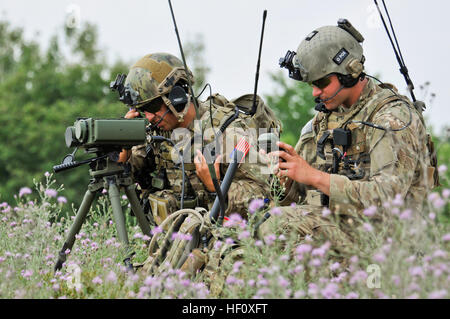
pixel 137 210
pixel 119 218
pixel 79 220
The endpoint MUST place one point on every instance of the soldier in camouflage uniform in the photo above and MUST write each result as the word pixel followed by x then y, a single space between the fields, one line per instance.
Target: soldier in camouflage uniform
pixel 156 86
pixel 365 145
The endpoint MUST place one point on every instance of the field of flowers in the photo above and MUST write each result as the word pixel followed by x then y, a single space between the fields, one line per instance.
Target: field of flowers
pixel 409 258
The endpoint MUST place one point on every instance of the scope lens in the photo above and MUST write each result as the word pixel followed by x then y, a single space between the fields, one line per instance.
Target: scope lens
pixel 81 131
pixel 69 136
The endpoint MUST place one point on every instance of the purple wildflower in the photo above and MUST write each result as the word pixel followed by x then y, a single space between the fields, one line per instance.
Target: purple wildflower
pixel 269 239
pixel 50 192
pixel 368 227
pixel 439 294
pixel 233 220
pixel 433 196
pixel 330 291
pixel 439 253
pixel 379 257
pixel 396 280
pixel 157 230
pixel 439 203
pixel 283 281
pixel 416 272
pixel 303 248
pixel 335 266
pixel 315 262
pixel 244 234
pixel 218 244
pixel 27 274
pixel 24 191
pixel 111 277
pixel 276 211
pixel 398 200
pixel 237 265
pixel 352 295
pixel 312 289
pixel 442 169
pixel 446 193
pixel 255 205
pixel 370 211
pixel 61 200
pixel 97 280
pixel 359 276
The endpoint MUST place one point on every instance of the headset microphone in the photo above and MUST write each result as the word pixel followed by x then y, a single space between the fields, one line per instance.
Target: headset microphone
pixel 320 106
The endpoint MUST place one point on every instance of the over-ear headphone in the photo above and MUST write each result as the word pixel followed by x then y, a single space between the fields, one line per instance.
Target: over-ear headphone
pixel 178 97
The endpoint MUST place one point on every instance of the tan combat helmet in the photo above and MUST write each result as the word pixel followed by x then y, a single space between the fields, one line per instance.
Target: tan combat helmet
pixel 158 76
pixel 330 49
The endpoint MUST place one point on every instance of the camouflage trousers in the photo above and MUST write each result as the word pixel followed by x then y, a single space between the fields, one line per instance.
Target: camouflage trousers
pixel 309 220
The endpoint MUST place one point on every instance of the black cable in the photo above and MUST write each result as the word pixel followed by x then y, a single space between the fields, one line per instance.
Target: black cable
pixel 381 127
pixel 211 168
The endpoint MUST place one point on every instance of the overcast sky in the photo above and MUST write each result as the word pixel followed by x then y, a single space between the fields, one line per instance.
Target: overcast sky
pixel 231 30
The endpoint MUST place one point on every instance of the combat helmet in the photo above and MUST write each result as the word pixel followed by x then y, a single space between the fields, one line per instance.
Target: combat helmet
pixel 327 50
pixel 156 77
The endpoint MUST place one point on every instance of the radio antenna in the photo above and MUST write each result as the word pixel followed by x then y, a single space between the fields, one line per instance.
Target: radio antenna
pixel 253 110
pixel 184 61
pixel 396 47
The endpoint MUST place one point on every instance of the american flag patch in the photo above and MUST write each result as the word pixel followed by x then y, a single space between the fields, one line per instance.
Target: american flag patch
pixel 243 146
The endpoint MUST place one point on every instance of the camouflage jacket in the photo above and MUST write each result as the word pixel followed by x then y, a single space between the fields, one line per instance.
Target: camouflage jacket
pixel 165 169
pixel 378 164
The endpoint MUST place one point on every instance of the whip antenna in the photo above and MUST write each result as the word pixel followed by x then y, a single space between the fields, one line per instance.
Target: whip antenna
pixel 253 111
pixel 184 60
pixel 398 53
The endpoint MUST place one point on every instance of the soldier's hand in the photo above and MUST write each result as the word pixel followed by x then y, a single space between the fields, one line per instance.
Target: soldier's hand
pixel 125 154
pixel 131 114
pixel 202 170
pixel 294 166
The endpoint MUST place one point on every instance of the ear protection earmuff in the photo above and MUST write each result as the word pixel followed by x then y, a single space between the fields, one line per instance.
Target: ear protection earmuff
pixel 178 97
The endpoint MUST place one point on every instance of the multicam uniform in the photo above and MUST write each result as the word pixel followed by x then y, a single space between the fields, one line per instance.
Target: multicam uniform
pixel 163 188
pixel 377 165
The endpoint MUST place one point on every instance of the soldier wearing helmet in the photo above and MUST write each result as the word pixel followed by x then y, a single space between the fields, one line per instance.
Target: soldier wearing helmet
pixel 365 146
pixel 157 88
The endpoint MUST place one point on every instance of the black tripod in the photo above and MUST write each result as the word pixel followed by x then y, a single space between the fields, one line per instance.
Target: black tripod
pixel 106 174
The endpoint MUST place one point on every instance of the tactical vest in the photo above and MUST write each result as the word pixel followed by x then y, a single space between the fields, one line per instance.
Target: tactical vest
pixel 342 141
pixel 164 197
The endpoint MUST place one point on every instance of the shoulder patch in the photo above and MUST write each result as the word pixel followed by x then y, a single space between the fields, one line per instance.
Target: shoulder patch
pixel 307 128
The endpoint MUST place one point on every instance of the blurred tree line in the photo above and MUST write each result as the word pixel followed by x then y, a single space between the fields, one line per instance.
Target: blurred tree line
pixel 44 91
